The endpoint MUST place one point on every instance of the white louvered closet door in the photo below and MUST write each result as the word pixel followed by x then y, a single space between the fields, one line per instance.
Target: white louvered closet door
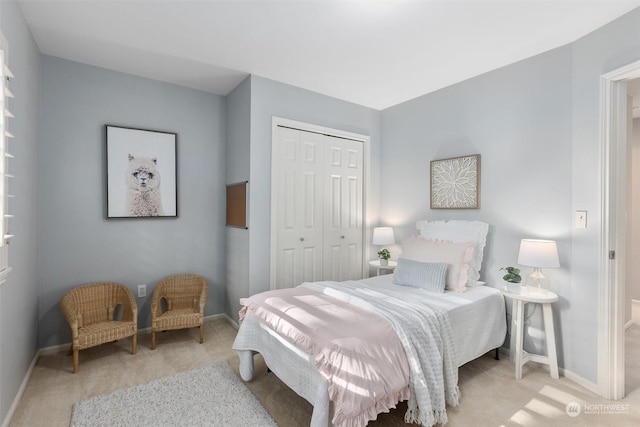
pixel 318 209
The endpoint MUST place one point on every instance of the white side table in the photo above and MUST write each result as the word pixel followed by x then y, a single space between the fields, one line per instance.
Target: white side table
pixel 517 327
pixel 376 264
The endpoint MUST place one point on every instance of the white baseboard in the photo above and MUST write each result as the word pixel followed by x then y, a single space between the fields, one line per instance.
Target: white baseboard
pixel 16 400
pixel 46 351
pixel 230 320
pixel 213 317
pixel 592 387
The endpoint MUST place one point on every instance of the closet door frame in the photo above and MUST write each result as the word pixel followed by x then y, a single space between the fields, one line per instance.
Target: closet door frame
pixel 366 184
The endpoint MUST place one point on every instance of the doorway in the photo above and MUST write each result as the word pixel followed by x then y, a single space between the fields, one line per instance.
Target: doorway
pixel 612 305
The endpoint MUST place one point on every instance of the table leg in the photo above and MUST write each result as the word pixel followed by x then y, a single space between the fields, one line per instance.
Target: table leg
pixel 519 316
pixel 551 340
pixel 514 330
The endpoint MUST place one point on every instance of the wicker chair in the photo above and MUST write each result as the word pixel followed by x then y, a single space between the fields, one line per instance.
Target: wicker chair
pixel 185 296
pixel 89 311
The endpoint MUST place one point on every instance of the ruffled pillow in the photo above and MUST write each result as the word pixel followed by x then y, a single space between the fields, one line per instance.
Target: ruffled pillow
pixel 456 255
pixel 460 231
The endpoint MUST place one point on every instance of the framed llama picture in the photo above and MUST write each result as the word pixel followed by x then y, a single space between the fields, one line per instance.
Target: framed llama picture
pixel 455 183
pixel 141 173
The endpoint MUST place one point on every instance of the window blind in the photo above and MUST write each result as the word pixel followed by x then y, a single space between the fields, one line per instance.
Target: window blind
pixel 5 157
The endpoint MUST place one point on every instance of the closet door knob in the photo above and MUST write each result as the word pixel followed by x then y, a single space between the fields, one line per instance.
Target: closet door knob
pixel 302 239
pixel 342 237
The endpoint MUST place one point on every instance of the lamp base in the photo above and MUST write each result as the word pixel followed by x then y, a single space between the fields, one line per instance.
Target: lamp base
pixel 537 283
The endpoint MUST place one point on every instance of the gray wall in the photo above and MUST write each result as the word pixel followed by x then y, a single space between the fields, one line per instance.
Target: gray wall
pixel 518 119
pixel 270 98
pixel 19 295
pixel 238 154
pixel 77 244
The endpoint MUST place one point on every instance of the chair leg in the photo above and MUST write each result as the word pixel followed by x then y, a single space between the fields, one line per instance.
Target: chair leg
pixel 201 334
pixel 134 344
pixel 153 340
pixel 75 361
pixel 70 352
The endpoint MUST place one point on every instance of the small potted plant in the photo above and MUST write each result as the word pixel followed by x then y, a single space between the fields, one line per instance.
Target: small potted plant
pixel 384 256
pixel 513 279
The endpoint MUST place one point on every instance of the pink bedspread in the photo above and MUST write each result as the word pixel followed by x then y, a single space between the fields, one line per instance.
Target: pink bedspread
pixel 358 352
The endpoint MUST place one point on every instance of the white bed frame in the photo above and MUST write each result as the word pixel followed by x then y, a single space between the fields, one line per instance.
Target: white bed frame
pixel 295 367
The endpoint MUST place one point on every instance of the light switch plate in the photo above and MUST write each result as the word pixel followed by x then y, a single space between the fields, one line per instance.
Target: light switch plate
pixel 581 219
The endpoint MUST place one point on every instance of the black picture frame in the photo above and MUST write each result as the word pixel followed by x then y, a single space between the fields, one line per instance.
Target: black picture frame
pixel 141 173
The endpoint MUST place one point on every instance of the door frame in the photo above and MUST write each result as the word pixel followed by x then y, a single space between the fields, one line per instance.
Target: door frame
pixel 611 284
pixel 366 184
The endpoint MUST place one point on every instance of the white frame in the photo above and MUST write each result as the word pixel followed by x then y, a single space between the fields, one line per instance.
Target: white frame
pixel 611 284
pixel 366 226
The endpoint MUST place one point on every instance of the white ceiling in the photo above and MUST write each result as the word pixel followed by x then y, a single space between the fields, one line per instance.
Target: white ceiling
pixel 376 53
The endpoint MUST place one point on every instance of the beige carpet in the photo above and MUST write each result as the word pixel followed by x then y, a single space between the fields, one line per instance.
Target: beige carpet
pixel 632 359
pixel 490 394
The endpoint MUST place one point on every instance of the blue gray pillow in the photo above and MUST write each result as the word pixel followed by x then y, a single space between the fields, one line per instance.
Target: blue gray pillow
pixel 426 275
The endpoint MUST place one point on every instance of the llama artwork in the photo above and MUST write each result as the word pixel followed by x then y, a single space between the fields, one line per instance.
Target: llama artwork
pixel 143 187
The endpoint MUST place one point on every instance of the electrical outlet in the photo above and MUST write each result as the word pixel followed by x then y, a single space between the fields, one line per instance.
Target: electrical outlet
pixel 142 291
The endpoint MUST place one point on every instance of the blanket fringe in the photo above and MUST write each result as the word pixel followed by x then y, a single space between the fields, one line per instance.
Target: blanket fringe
pixel 426 419
pixel 430 418
pixel 384 404
pixel 453 396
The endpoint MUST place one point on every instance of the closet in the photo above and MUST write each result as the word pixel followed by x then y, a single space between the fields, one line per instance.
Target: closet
pixel 317 207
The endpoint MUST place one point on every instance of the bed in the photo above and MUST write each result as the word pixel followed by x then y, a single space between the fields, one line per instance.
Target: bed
pixel 475 317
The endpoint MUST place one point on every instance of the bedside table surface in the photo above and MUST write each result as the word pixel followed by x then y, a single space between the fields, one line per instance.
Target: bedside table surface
pixel 376 263
pixel 531 296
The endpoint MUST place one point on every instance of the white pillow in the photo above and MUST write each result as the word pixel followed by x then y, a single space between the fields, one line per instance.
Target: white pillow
pixel 456 255
pixel 460 231
pixel 426 275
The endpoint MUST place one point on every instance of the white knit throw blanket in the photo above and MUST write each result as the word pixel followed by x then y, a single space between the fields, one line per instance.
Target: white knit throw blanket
pixel 426 335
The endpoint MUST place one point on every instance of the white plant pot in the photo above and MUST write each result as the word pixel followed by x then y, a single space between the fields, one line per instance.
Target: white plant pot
pixel 384 262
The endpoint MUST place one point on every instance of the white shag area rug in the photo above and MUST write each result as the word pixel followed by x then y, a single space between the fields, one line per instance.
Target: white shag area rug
pixel 208 396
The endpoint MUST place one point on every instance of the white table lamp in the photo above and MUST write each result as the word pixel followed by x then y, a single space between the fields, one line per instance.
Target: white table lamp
pixel 538 254
pixel 383 236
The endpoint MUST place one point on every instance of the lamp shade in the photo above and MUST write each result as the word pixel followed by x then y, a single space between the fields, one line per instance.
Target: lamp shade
pixel 538 253
pixel 383 236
